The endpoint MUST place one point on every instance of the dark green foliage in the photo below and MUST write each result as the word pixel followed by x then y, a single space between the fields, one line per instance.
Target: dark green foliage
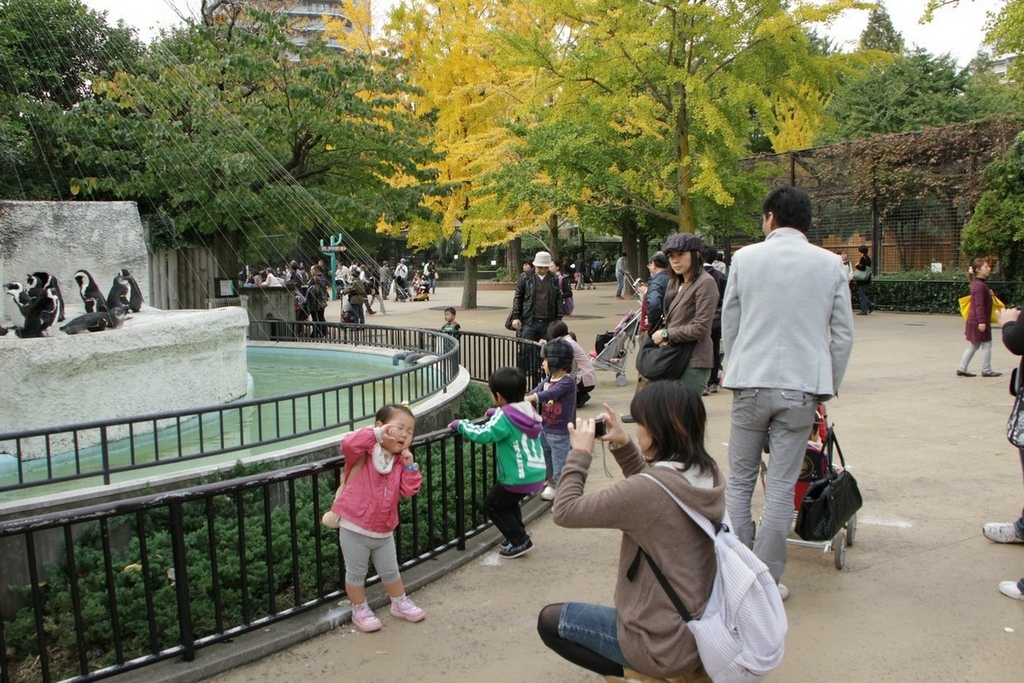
pixel 924 292
pixel 475 400
pixel 997 226
pixel 880 34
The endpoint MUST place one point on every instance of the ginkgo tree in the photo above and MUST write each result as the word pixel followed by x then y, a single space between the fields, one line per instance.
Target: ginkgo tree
pixel 680 86
pixel 472 92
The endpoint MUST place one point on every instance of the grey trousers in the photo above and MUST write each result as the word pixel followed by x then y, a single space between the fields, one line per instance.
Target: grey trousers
pixel 791 416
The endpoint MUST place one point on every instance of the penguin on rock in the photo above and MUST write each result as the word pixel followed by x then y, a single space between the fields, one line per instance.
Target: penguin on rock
pixel 96 322
pixel 92 296
pixel 20 296
pixel 40 316
pixel 134 291
pixel 39 281
pixel 120 293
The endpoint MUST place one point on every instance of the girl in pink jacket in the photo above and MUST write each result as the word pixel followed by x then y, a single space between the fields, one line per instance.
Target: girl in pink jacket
pixel 379 469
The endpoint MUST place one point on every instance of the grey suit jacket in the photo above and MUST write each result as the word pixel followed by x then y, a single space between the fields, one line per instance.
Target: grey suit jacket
pixel 787 322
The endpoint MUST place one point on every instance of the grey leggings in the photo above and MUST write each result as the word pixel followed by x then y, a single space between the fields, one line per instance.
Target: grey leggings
pixel 358 549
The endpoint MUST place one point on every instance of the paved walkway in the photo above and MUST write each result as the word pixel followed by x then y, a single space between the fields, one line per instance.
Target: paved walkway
pixel 917 601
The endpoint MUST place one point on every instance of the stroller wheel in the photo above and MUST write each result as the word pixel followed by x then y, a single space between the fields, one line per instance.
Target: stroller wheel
pixel 620 380
pixel 851 530
pixel 839 549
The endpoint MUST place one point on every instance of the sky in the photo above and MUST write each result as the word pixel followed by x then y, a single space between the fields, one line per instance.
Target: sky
pixel 955 30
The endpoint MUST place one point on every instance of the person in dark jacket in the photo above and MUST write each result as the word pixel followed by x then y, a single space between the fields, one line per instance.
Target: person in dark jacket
pixel 536 304
pixel 1010 532
pixel 710 255
pixel 864 267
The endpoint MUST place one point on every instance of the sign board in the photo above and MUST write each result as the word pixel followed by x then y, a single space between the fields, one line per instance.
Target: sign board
pixel 327 250
pixel 936 267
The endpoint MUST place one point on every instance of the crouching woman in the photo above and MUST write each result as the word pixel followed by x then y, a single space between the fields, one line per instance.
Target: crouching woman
pixel 643 632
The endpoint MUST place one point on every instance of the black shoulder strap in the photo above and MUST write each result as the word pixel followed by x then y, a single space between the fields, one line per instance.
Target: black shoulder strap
pixel 672 595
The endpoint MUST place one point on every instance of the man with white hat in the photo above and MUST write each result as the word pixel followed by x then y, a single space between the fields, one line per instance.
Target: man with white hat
pixel 536 304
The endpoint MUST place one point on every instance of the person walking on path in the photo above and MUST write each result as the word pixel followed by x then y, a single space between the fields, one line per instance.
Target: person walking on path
pixel 536 304
pixel 978 328
pixel 621 271
pixel 787 333
pixel 862 278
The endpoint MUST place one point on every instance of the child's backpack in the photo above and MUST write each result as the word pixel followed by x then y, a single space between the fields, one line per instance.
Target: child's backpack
pixel 742 634
pixel 568 305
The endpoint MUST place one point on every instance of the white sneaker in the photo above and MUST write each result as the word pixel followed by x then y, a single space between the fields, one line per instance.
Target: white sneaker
pixel 548 493
pixel 1010 590
pixel 783 592
pixel 1001 532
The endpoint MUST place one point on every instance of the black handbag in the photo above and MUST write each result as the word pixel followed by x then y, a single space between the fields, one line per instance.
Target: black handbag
pixel 829 503
pixel 663 362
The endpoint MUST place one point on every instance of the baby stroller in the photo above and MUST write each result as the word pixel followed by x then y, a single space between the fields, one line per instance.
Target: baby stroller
pixel 814 468
pixel 612 349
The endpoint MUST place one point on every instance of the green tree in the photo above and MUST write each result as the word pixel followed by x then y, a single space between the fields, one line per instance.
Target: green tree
pixel 997 226
pixel 879 34
pixel 670 89
pixel 47 48
pixel 915 91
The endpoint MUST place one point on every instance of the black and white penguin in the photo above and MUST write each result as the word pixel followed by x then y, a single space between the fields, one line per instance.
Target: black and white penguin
pixel 41 316
pixel 117 316
pixel 134 291
pixel 88 322
pixel 40 280
pixel 120 292
pixel 20 296
pixel 90 291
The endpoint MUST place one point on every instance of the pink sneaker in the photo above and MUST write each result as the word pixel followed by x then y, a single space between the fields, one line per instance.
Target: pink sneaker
pixel 364 619
pixel 404 608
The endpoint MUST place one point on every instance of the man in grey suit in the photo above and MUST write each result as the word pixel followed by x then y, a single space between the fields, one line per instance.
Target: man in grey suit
pixel 787 333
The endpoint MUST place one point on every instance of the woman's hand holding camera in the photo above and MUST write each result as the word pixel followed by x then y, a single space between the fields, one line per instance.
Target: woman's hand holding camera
pixel 605 427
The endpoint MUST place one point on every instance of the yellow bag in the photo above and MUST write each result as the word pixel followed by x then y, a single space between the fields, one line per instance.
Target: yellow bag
pixel 997 305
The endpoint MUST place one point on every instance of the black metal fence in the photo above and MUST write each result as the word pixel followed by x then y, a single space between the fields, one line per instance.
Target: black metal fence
pixel 137 581
pixel 143 441
pixel 162 576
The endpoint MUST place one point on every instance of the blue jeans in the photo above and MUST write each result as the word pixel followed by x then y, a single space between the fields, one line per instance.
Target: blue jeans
pixel 620 283
pixel 556 450
pixel 791 415
pixel 595 627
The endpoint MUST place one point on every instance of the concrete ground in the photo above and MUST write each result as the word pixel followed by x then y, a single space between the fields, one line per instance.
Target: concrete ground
pixel 917 600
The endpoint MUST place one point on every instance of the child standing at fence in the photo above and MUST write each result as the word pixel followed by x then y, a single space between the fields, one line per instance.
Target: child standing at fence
pixel 555 398
pixel 379 468
pixel 451 327
pixel 515 430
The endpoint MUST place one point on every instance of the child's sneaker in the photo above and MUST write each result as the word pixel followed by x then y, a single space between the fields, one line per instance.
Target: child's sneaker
pixel 516 550
pixel 404 608
pixel 364 619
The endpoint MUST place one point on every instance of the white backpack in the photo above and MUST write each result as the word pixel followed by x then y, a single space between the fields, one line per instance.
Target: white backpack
pixel 742 634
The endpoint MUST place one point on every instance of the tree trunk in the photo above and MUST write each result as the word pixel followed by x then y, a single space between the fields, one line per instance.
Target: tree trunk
pixel 553 237
pixel 629 245
pixel 469 284
pixel 514 258
pixel 684 173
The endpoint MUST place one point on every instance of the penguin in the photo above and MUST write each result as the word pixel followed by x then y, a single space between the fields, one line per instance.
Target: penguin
pixel 89 322
pixel 40 280
pixel 20 296
pixel 3 330
pixel 119 294
pixel 41 316
pixel 91 295
pixel 134 291
pixel 117 316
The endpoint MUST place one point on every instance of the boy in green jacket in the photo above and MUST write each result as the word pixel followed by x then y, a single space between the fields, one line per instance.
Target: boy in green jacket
pixel 515 429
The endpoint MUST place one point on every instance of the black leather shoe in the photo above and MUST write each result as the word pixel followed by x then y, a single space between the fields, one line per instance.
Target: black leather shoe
pixel 964 373
pixel 628 419
pixel 991 374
